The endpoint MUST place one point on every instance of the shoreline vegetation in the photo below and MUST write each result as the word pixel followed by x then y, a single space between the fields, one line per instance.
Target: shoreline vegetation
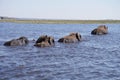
pixel 45 21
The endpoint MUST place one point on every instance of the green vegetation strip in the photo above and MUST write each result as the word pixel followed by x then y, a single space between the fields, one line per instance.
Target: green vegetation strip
pixel 62 21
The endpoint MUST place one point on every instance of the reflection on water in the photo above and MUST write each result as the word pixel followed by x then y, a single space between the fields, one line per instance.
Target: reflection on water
pixel 95 58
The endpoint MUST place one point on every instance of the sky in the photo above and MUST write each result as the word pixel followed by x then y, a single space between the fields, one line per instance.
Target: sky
pixel 61 9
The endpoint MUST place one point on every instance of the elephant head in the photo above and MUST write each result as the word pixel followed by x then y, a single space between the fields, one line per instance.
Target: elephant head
pixel 100 30
pixel 71 38
pixel 17 42
pixel 45 41
pixel 24 40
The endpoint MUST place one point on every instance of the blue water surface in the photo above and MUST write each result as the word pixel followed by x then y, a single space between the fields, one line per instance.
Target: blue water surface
pixel 94 58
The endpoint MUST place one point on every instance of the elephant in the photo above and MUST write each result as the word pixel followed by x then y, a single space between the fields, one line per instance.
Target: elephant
pixel 71 38
pixel 45 41
pixel 17 42
pixel 100 30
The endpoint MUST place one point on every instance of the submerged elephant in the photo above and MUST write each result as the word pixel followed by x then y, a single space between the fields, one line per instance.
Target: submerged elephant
pixel 102 29
pixel 45 41
pixel 71 38
pixel 17 42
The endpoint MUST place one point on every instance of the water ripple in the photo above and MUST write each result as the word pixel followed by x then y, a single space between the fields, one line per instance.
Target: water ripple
pixel 94 58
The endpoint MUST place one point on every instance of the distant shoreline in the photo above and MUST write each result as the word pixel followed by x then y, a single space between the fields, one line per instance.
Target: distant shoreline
pixel 35 21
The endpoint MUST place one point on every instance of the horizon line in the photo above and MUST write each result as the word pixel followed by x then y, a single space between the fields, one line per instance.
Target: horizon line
pixel 7 17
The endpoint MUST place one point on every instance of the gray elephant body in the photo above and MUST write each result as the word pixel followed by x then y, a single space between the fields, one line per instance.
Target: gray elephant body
pixel 17 42
pixel 45 41
pixel 102 29
pixel 71 38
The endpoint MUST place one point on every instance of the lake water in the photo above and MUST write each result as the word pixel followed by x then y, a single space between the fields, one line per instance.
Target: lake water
pixel 94 58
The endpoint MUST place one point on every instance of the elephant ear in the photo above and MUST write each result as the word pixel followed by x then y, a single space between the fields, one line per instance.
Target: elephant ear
pixel 24 39
pixel 51 40
pixel 105 27
pixel 78 36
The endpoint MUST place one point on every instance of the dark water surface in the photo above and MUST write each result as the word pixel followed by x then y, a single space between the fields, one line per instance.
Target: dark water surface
pixel 94 58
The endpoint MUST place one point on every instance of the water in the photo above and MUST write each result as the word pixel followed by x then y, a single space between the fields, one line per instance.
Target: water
pixel 94 58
